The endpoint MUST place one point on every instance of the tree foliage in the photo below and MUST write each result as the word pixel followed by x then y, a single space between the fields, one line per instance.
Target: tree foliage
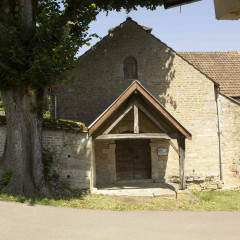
pixel 1 103
pixel 35 59
pixel 39 40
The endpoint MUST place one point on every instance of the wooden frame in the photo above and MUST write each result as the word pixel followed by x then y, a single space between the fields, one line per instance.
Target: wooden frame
pixel 133 136
pixel 136 106
pixel 181 148
pixel 136 118
pixel 152 118
pixel 112 109
pixel 119 119
pixel 136 86
pixel 164 112
pixel 174 147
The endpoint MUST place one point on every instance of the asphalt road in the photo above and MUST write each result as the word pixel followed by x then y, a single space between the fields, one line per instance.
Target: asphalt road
pixel 23 222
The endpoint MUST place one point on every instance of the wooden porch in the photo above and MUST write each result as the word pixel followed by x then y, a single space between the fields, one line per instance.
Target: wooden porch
pixel 136 101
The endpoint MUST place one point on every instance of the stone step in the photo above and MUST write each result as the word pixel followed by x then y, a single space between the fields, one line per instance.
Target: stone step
pixel 135 181
pixel 139 190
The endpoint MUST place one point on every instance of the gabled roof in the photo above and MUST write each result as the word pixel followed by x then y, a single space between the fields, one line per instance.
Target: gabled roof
pixel 147 30
pixel 136 86
pixel 222 67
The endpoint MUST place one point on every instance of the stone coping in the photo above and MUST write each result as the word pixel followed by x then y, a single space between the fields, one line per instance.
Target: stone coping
pixel 57 124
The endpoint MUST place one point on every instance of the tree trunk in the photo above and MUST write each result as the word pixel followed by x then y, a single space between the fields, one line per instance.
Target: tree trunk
pixel 23 147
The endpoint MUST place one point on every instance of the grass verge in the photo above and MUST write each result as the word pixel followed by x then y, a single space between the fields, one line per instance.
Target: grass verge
pixel 209 201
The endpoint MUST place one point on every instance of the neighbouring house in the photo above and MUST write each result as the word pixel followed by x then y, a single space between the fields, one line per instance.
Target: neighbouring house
pixel 153 114
pixel 224 9
pixel 227 9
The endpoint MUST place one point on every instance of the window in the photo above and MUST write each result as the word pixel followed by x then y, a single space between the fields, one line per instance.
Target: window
pixel 130 68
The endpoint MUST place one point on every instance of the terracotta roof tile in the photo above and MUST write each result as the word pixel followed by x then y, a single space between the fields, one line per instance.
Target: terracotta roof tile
pixel 221 67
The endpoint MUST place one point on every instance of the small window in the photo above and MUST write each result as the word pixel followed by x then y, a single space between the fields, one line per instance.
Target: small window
pixel 130 68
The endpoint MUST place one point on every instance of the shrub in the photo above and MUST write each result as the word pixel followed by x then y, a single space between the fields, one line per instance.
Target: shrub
pixel 1 103
pixel 55 174
pixel 6 177
pixel 47 158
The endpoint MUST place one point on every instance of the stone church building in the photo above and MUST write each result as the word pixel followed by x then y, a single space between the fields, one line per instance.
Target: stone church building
pixel 152 114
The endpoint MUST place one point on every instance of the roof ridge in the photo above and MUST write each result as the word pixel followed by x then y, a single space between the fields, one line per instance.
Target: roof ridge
pixel 146 28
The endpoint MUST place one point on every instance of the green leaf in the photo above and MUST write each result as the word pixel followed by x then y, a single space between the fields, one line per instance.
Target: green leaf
pixel 70 23
pixel 17 8
pixel 7 10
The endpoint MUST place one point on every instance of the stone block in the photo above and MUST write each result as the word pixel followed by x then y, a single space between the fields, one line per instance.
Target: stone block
pixel 162 164
pixel 220 185
pixel 153 145
pixel 155 175
pixel 198 179
pixel 183 195
pixel 159 180
pixel 238 169
pixel 87 180
pixel 186 196
pixel 189 179
pixel 112 145
pixel 110 151
pixel 87 173
pixel 212 187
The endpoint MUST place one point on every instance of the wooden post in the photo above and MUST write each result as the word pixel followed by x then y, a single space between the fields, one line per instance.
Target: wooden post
pixel 135 110
pixel 181 148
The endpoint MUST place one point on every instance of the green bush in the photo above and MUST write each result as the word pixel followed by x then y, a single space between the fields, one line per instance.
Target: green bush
pixel 1 103
pixel 47 158
pixel 6 177
pixel 55 174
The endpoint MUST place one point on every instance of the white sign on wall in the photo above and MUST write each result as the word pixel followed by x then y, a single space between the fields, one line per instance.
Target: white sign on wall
pixel 162 151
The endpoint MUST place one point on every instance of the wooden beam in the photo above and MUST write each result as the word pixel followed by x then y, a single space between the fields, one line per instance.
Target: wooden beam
pixel 113 108
pixel 137 86
pixel 152 118
pixel 181 147
pixel 174 147
pixel 133 136
pixel 136 119
pixel 119 119
pixel 164 112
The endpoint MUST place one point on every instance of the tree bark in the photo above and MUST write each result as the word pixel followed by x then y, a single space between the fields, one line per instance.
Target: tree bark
pixel 23 147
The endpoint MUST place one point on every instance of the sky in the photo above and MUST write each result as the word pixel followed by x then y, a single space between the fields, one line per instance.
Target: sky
pixel 194 28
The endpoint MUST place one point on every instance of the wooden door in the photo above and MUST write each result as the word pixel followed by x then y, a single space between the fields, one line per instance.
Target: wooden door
pixel 133 159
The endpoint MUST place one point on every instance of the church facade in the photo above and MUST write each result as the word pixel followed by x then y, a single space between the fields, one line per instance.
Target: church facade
pixel 156 114
pixel 152 114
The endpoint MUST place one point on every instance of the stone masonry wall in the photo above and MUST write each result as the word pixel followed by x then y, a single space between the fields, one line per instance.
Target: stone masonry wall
pixel 72 160
pixel 105 150
pixel 187 93
pixel 159 162
pixel 105 162
pixel 230 128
